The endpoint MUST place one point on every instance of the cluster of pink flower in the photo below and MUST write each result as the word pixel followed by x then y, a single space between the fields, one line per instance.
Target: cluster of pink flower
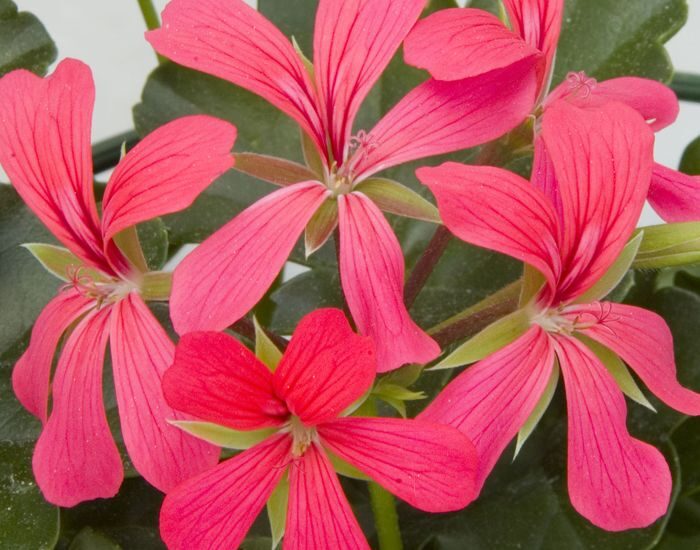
pixel 593 170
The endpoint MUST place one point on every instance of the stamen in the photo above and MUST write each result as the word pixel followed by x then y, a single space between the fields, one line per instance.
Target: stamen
pixel 362 144
pixel 580 84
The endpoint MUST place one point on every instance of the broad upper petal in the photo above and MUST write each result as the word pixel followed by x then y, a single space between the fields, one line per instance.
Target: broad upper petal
pixel 225 276
pixel 490 401
pixel 75 458
pixel 216 508
pixel 644 341
pixel 372 276
pixel 217 379
pixel 326 367
pixel 319 514
pixel 615 481
pixel 431 466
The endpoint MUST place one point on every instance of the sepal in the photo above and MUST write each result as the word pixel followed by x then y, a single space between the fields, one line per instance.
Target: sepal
pixel 669 245
pixel 61 262
pixel 265 349
pixel 156 286
pixel 539 410
pixel 277 510
pixel 396 395
pixel 222 436
pixel 345 469
pixel 321 226
pixel 272 169
pixel 393 197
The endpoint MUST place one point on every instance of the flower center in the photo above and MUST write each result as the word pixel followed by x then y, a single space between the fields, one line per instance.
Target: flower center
pixel 552 320
pixel 302 436
pixel 580 84
pixel 104 290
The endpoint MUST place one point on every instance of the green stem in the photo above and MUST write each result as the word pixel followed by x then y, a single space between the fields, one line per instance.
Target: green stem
pixel 686 86
pixel 150 16
pixel 385 517
pixel 426 264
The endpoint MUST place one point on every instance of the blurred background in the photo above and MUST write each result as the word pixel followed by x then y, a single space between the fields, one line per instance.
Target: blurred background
pixel 109 37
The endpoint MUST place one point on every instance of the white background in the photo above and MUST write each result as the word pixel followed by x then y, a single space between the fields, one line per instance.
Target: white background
pixel 108 36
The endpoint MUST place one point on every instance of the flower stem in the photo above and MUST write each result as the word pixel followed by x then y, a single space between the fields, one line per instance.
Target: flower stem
pixel 425 264
pixel 385 517
pixel 150 16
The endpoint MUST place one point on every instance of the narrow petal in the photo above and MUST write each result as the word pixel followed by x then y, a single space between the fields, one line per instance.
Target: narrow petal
pixel 656 102
pixel 459 43
pixel 372 275
pixel 497 209
pixel 216 508
pixel 319 515
pixel 675 196
pixel 45 150
pixel 354 41
pixel 75 458
pixel 31 375
pixel 491 401
pixel 223 278
pixel 643 340
pixel 141 352
pixel 231 40
pixel 439 117
pixel 602 159
pixel 615 481
pixel 538 22
pixel 166 171
pixel 216 378
pixel 326 368
pixel 431 466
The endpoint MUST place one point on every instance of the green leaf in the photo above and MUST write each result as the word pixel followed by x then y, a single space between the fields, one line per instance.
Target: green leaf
pixel 223 436
pixel 153 237
pixel 27 521
pixel 615 273
pixel 669 245
pixel 610 38
pixel 265 349
pixel 24 42
pixel 396 395
pixel 393 197
pixel 491 339
pixel 91 539
pixel 277 510
pixel 690 163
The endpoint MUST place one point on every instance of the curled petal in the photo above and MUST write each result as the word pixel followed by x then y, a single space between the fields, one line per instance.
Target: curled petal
pixel 326 367
pixel 615 481
pixel 225 276
pixel 75 458
pixel 31 375
pixel 643 340
pixel 372 275
pixel 216 508
pixel 216 378
pixel 460 43
pixel 490 401
pixel 319 515
pixel 430 466
pixel 675 196
pixel 141 352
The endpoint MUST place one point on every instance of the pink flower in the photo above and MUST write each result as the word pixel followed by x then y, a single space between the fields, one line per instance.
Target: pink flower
pixel 354 41
pixel 325 369
pixel 571 224
pixel 458 43
pixel 45 150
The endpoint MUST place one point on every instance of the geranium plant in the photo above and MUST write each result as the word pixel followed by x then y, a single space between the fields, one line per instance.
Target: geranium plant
pixel 420 313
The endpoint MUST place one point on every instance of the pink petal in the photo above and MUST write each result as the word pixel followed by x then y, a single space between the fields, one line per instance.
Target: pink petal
pixel 223 278
pixel 459 43
pixel 644 341
pixel 354 41
pixel 45 150
pixel 430 466
pixel 319 515
pixel 231 40
pixel 141 352
pixel 372 275
pixel 675 196
pixel 490 401
pixel 326 368
pixel 216 508
pixel 602 159
pixel 439 117
pixel 216 378
pixel 497 209
pixel 75 458
pixel 615 481
pixel 30 377
pixel 166 171
pixel 656 102
pixel 538 22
